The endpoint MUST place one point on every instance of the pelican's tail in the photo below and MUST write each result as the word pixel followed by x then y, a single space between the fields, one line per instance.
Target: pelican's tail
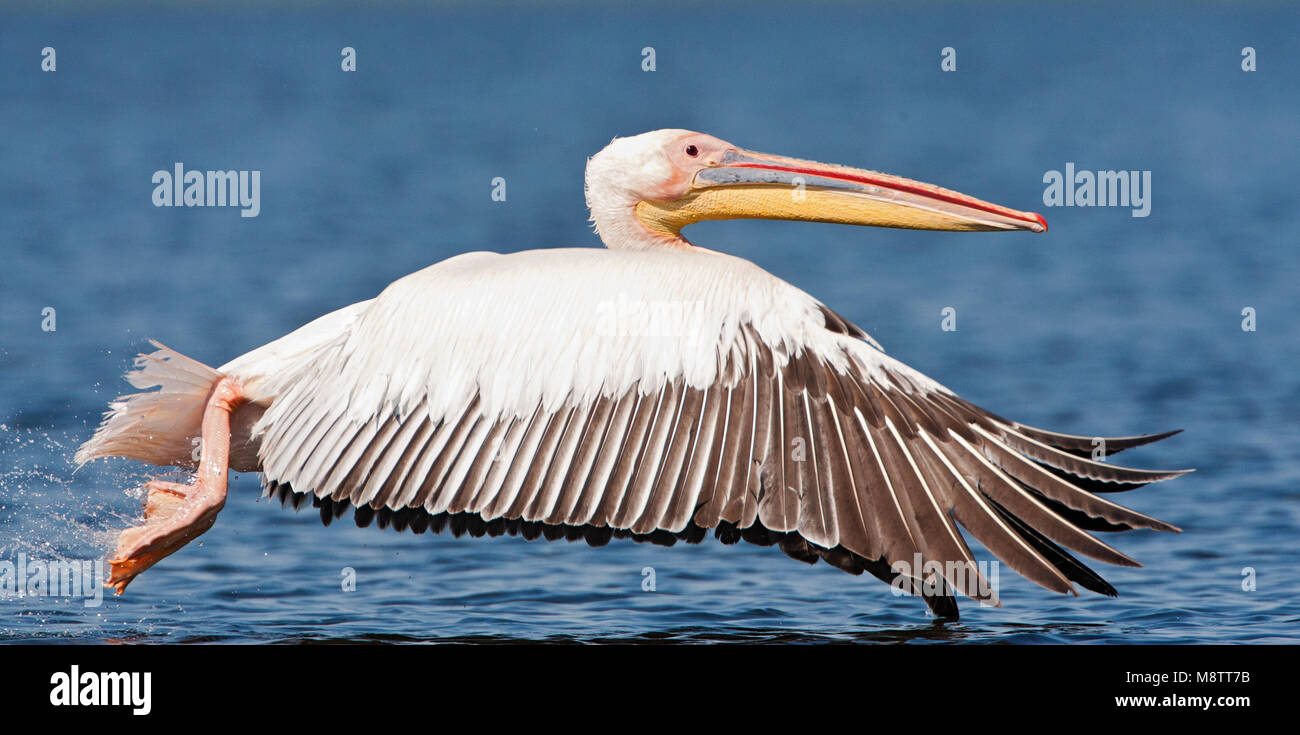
pixel 161 426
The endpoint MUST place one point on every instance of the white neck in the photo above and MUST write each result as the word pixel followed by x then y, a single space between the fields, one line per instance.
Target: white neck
pixel 620 229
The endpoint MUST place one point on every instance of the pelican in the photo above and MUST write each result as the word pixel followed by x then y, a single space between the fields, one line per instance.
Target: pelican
pixel 653 389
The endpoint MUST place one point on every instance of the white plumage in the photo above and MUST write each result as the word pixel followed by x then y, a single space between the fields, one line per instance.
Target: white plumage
pixel 651 388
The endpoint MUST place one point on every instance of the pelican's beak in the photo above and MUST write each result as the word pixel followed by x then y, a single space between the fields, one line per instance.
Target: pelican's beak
pixel 747 185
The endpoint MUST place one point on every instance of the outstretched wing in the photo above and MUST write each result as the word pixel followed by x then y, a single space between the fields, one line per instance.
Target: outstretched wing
pixel 760 408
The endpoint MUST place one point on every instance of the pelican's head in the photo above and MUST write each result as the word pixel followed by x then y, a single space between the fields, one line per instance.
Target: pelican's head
pixel 644 189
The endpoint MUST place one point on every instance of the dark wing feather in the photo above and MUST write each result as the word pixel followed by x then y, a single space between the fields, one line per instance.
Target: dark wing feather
pixel 834 457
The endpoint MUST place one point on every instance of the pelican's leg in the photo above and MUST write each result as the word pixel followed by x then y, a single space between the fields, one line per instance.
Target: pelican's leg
pixel 175 514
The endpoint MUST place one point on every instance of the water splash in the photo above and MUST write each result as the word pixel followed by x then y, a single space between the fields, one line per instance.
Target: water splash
pixel 51 513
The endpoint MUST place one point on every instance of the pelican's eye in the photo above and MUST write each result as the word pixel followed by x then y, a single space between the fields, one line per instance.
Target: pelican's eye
pixel 692 151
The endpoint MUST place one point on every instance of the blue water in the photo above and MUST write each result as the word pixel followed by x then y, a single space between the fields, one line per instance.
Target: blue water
pixel 1108 324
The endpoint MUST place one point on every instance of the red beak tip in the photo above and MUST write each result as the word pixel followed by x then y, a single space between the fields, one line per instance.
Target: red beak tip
pixel 1040 219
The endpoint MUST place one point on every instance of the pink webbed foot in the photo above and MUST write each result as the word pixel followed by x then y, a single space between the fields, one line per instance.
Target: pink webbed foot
pixel 174 515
